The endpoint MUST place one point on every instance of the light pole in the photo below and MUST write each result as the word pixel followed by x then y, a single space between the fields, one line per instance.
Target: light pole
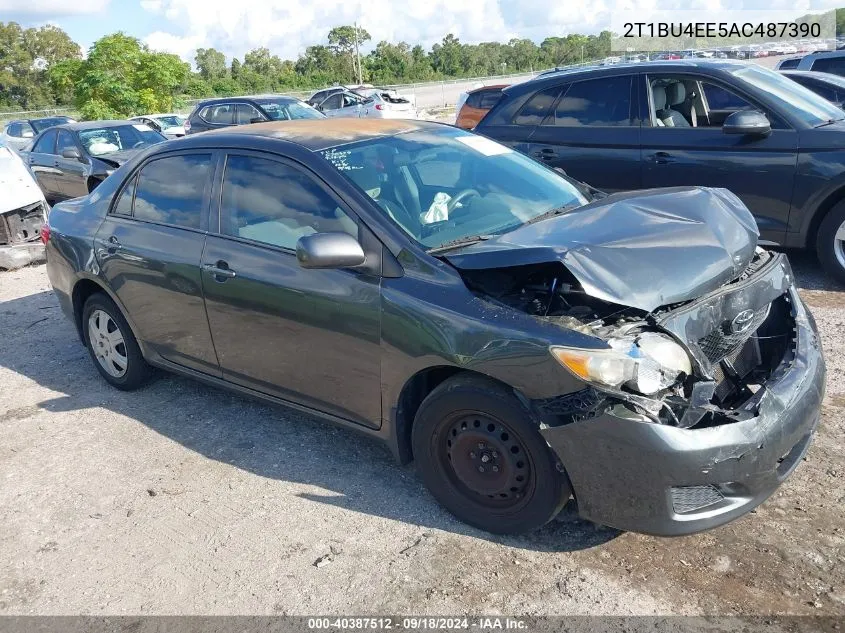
pixel 358 54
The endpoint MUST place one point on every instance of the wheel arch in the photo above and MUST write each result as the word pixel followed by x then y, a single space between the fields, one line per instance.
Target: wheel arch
pixel 84 288
pixel 415 390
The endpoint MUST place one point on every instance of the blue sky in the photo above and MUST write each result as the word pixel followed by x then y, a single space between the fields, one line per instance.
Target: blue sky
pixel 288 26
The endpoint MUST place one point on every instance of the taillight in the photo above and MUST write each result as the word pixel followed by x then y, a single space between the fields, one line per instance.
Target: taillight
pixel 45 233
pixel 379 106
pixel 187 125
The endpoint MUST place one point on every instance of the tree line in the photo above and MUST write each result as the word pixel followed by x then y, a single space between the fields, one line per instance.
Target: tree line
pixel 120 76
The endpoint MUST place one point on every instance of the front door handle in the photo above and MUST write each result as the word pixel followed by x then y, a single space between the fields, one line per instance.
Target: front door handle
pixel 661 158
pixel 219 270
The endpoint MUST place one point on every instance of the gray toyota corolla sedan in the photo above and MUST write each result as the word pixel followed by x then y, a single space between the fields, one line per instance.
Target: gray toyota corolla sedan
pixel 522 338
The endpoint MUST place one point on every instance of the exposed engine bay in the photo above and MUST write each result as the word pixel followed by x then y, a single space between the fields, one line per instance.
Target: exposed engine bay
pixel 658 365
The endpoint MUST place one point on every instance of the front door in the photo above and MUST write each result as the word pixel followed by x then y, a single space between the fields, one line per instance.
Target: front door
pixel 149 249
pixel 43 164
pixel 308 336
pixel 760 170
pixel 71 178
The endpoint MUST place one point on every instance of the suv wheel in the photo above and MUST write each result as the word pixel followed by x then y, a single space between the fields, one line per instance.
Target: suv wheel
pixel 830 242
pixel 112 345
pixel 479 452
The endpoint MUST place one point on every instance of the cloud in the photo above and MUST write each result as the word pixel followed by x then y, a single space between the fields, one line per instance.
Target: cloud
pixel 51 8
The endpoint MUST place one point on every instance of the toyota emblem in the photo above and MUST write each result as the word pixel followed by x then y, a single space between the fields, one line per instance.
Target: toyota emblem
pixel 742 321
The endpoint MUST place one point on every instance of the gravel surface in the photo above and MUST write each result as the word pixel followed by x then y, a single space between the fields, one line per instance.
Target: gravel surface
pixel 183 499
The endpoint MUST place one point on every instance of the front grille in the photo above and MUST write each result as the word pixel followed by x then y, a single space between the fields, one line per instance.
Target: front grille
pixel 691 498
pixel 721 342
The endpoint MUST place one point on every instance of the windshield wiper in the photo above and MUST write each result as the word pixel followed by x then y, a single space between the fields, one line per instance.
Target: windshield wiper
pixel 552 213
pixel 461 241
pixel 829 122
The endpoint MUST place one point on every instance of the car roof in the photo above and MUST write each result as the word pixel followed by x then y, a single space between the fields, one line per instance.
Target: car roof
pixel 550 78
pixel 313 134
pixel 491 87
pixel 244 99
pixel 90 125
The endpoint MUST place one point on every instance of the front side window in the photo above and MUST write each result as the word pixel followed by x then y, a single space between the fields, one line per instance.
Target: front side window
pixel 595 103
pixel 273 203
pixel 245 113
pixel 46 144
pixel 171 190
pixel 441 185
pixel 720 99
pixel 334 102
pixel 537 107
pixel 108 140
pixel 64 142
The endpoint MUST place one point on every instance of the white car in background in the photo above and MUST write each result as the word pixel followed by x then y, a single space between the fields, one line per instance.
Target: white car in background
pixel 170 125
pixel 376 104
pixel 23 212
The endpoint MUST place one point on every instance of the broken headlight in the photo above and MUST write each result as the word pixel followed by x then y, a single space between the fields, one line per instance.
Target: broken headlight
pixel 646 363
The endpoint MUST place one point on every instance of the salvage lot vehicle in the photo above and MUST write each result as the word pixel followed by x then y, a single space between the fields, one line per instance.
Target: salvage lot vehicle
pixel 71 160
pixel 19 134
pixel 214 114
pixel 772 142
pixel 368 104
pixel 827 86
pixel 476 104
pixel 170 125
pixel 466 305
pixel 23 211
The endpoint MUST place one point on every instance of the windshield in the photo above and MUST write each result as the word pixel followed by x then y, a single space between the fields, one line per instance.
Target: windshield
pixel 101 141
pixel 171 120
pixel 39 125
pixel 285 110
pixel 446 184
pixel 800 102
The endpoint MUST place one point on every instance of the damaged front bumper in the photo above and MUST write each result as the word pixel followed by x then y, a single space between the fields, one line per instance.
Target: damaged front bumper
pixel 665 480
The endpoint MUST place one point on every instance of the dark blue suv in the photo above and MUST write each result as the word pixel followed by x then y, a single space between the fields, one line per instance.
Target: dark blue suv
pixel 775 144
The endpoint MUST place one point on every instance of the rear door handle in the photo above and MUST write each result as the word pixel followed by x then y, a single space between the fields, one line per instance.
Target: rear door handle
pixel 661 158
pixel 219 270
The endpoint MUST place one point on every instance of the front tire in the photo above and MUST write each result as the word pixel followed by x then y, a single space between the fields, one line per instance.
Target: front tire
pixel 480 453
pixel 830 242
pixel 112 345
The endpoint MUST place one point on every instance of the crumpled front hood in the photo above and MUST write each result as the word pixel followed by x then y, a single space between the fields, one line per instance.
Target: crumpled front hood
pixel 641 249
pixel 118 158
pixel 17 186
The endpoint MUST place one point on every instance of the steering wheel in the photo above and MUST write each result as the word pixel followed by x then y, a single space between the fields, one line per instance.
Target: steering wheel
pixel 138 144
pixel 460 197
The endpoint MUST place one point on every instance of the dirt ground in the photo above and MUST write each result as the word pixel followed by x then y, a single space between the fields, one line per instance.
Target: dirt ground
pixel 181 499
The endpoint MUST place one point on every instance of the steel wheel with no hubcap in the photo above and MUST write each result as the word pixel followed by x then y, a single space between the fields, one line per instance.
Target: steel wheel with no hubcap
pixel 107 342
pixel 487 461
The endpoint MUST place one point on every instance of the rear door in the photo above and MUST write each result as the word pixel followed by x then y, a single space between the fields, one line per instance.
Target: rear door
pixel 760 170
pixel 71 178
pixel 149 249
pixel 43 164
pixel 593 133
pixel 216 116
pixel 308 336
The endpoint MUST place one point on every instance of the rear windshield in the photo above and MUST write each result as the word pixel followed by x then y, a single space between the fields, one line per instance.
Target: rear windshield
pixel 39 125
pixel 286 110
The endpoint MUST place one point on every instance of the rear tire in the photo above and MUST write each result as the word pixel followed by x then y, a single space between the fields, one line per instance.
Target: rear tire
pixel 112 345
pixel 480 453
pixel 830 242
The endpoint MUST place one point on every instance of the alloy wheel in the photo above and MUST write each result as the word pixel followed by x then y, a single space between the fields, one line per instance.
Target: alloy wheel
pixel 107 342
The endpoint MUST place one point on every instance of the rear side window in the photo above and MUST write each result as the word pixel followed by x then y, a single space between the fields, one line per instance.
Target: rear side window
pixel 124 202
pixel 786 64
pixel 474 100
pixel 537 107
pixel 221 114
pixel 832 65
pixel 595 103
pixel 15 129
pixel 46 143
pixel 489 98
pixel 171 190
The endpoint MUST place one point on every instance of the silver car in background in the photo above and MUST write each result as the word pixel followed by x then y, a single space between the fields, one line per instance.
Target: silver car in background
pixel 371 103
pixel 170 125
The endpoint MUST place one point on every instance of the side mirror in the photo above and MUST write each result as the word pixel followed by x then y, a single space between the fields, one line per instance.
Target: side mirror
pixel 256 119
pixel 71 153
pixel 747 122
pixel 329 250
